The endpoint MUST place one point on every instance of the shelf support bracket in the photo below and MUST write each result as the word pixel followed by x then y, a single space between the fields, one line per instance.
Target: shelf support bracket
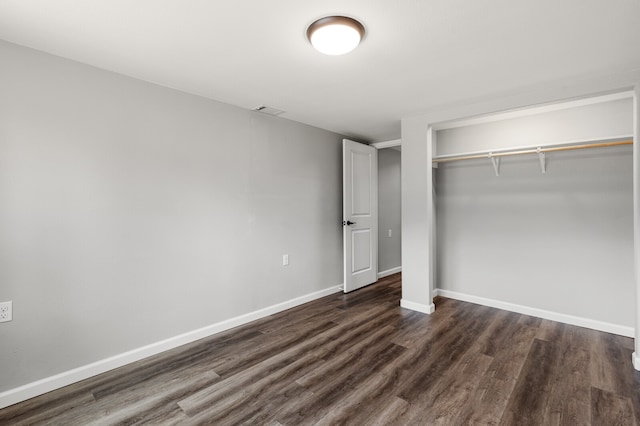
pixel 543 161
pixel 496 163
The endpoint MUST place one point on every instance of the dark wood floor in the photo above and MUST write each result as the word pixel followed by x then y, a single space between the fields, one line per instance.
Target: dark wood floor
pixel 360 359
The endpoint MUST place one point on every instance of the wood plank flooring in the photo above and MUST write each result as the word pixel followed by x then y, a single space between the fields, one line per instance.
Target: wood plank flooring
pixel 360 359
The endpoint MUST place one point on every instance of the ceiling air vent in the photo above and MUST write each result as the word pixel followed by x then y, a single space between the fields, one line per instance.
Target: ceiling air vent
pixel 268 110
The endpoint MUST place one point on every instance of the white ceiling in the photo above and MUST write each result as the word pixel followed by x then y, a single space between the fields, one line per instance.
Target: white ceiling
pixel 417 54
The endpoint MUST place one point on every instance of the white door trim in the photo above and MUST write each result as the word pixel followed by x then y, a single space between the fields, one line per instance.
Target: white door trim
pixel 387 144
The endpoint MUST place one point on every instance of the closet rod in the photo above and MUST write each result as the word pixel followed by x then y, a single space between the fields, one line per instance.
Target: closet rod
pixel 532 151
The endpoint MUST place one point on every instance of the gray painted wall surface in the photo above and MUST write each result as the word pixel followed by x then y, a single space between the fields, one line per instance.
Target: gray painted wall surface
pixel 131 213
pixel 389 249
pixel 594 121
pixel 416 213
pixel 600 120
pixel 562 241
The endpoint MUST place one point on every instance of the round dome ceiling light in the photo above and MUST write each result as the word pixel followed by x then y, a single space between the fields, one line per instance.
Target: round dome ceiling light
pixel 335 35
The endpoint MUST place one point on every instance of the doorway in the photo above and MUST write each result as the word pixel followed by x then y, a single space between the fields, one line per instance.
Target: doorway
pixel 389 211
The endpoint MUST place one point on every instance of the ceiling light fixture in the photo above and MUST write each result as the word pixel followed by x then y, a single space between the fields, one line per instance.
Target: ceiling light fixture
pixel 335 35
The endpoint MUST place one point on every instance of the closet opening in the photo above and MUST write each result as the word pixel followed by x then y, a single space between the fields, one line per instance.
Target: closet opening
pixel 534 212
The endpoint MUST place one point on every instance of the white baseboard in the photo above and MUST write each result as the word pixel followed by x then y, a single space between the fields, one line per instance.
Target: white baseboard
pixel 636 361
pixel 30 390
pixel 541 313
pixel 389 272
pixel 425 309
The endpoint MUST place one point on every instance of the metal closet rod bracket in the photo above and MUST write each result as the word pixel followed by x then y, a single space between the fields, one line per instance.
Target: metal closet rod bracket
pixel 496 163
pixel 543 161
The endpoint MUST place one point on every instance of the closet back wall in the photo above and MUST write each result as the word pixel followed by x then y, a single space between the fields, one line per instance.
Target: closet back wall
pixel 561 241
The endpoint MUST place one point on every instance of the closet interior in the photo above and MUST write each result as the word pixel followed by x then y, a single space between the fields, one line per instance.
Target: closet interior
pixel 534 212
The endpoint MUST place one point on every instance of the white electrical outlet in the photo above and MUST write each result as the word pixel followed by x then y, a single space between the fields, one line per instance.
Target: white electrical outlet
pixel 6 311
pixel 285 259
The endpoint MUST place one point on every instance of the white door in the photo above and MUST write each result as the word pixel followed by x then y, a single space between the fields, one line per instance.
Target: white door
pixel 359 214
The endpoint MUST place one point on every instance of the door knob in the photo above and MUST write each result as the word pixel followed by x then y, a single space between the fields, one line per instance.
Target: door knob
pixel 350 223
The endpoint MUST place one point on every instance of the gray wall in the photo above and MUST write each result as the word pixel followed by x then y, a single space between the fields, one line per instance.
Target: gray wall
pixel 131 213
pixel 416 214
pixel 600 120
pixel 562 241
pixel 389 199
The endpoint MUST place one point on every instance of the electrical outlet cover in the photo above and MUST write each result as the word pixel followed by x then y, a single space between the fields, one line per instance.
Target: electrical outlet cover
pixel 6 311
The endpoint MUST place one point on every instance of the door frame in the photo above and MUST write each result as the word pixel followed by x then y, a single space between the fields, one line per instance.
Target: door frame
pixel 387 144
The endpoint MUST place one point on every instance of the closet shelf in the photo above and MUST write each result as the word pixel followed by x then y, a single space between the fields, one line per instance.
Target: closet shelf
pixel 540 150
